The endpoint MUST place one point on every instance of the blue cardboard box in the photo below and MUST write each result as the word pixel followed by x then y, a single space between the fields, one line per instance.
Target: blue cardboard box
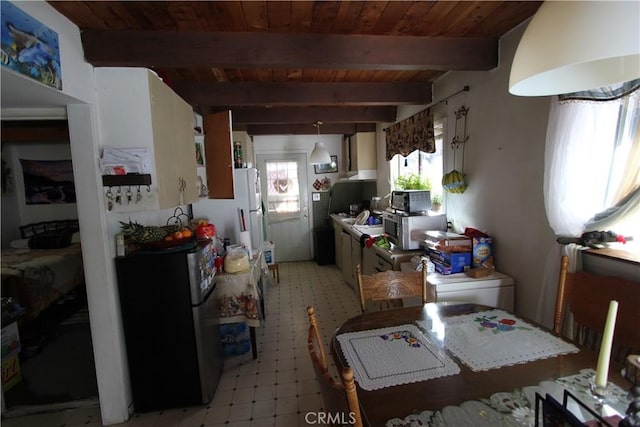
pixel 458 261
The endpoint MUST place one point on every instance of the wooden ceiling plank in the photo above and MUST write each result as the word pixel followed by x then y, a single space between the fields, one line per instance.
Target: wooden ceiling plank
pixel 283 94
pixel 416 20
pixel 278 16
pixel 158 15
pixel 231 15
pixel 276 115
pixel 347 16
pixel 324 16
pixel 207 15
pixel 237 50
pixel 184 16
pixel 507 16
pixel 84 17
pixel 255 15
pixel 369 16
pixel 392 14
pixel 132 17
pixel 219 75
pixel 301 16
pixel 476 14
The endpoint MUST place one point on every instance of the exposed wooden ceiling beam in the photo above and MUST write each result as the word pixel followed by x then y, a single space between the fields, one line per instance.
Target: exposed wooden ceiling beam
pixel 291 94
pixel 306 129
pixel 179 49
pixel 280 115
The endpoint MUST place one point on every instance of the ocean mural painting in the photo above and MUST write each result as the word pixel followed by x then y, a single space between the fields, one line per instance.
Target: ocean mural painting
pixel 48 181
pixel 29 47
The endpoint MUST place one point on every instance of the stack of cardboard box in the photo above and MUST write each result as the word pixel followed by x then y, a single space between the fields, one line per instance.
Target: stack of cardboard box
pixel 449 252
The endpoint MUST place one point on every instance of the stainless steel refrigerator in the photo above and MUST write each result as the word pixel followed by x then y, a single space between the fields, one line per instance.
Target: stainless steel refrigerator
pixel 171 325
pixel 225 214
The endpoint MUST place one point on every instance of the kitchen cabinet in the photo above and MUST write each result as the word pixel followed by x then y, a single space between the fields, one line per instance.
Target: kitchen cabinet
pixel 347 266
pixel 360 152
pixel 337 230
pixel 138 110
pixel 218 147
pixel 373 262
pixel 356 258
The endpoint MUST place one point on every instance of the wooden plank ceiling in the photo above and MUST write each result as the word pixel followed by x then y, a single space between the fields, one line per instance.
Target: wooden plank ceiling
pixel 282 65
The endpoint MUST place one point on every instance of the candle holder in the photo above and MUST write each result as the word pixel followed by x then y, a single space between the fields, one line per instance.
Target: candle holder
pixel 598 392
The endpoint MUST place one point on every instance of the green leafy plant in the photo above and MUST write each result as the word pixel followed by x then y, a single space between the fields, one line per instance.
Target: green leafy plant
pixel 412 182
pixel 436 199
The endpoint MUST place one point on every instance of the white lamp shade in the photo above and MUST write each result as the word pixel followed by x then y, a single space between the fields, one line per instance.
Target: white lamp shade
pixel 319 155
pixel 572 46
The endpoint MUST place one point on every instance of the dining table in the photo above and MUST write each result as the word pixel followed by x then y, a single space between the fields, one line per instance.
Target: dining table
pixel 451 363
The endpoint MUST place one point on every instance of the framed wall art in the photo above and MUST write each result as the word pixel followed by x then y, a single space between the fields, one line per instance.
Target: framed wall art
pixel 328 168
pixel 29 47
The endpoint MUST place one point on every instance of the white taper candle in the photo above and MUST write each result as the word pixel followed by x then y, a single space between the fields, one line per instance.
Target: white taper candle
pixel 602 369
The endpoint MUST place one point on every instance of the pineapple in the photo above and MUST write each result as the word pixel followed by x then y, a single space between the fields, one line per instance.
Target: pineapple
pixel 146 234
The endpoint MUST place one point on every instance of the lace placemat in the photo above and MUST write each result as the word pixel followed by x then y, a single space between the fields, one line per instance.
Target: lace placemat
pixel 517 407
pixel 495 338
pixel 391 356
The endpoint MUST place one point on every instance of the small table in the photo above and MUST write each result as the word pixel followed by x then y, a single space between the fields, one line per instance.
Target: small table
pixel 241 299
pixel 382 404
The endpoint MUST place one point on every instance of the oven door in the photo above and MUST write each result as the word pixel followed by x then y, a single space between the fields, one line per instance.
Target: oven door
pixel 391 226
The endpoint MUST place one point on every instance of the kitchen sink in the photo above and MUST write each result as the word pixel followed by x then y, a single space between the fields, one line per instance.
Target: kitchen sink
pixel 372 230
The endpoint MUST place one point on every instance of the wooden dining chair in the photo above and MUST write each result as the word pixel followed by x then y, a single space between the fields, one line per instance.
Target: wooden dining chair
pixel 586 296
pixel 386 289
pixel 339 399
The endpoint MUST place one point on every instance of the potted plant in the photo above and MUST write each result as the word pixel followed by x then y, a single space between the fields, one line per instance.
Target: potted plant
pixel 436 202
pixel 412 181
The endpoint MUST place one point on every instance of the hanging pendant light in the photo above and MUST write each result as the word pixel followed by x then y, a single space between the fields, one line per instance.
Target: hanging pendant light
pixel 319 155
pixel 572 46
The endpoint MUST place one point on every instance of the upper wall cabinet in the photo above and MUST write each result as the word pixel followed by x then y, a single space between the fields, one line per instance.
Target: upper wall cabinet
pixel 218 145
pixel 138 110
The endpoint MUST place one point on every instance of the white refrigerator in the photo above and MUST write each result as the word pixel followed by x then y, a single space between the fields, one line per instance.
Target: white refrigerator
pixel 226 214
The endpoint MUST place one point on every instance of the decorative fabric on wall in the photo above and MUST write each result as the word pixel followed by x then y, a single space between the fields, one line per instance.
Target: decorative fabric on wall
pixel 48 181
pixel 414 133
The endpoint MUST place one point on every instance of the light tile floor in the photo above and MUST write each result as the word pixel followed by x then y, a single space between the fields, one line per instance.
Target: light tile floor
pixel 279 387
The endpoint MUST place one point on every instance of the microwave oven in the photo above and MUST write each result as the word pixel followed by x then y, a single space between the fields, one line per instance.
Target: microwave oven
pixel 411 201
pixel 398 227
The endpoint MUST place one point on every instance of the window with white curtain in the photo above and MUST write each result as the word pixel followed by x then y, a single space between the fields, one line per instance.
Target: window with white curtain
pixel 427 165
pixel 592 167
pixel 283 196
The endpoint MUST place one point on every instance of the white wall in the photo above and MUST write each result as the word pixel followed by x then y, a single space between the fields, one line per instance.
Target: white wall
pixel 504 168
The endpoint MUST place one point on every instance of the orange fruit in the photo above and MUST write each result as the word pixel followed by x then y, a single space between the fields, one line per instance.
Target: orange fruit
pixel 186 233
pixel 178 235
pixel 168 238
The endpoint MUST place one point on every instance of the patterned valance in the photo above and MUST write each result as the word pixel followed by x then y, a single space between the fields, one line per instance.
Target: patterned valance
pixel 414 133
pixel 603 94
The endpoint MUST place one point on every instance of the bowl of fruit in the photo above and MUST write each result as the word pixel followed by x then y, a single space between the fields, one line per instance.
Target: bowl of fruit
pixel 158 237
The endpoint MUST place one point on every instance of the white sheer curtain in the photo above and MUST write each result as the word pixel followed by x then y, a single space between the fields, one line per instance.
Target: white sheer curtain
pixel 588 144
